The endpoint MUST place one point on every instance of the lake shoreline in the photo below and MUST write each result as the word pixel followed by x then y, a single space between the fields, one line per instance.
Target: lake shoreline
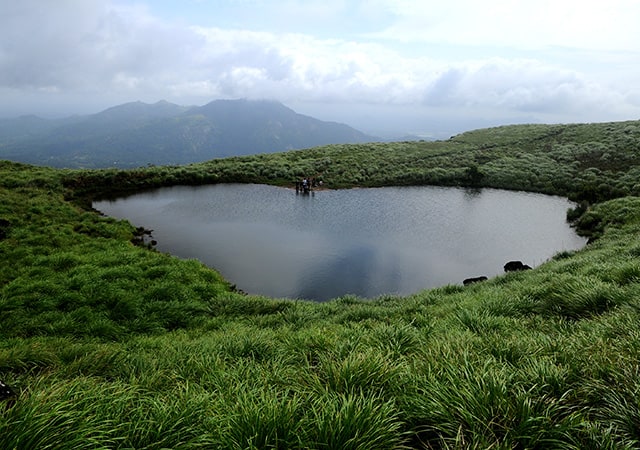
pixel 349 241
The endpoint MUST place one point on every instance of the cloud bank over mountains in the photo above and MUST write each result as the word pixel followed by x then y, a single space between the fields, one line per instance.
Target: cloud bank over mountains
pixel 380 63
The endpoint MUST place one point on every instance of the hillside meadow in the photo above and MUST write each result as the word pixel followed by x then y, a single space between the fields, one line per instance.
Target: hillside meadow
pixel 110 344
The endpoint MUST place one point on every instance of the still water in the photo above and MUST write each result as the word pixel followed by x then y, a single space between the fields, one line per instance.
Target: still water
pixel 367 242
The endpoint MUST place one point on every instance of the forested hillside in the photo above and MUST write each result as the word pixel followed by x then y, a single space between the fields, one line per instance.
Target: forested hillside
pixel 108 344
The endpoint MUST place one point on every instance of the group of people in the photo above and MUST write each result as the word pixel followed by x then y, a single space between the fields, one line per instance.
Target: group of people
pixel 306 184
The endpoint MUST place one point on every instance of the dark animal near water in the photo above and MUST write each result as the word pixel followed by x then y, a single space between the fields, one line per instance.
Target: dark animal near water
pixel 469 281
pixel 514 266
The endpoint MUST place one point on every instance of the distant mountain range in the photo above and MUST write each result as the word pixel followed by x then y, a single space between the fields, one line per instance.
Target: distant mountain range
pixel 138 134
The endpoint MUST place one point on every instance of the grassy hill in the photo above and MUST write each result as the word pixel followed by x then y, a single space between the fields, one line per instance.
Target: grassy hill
pixel 108 344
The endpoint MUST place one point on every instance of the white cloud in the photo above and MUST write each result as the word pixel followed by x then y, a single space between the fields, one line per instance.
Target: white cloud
pixel 586 24
pixel 517 85
pixel 104 53
pixel 292 66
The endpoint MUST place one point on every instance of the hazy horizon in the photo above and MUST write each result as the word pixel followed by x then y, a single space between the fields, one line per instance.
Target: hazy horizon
pixel 384 67
pixel 366 122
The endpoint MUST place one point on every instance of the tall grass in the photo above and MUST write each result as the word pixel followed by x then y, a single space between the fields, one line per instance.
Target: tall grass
pixel 111 345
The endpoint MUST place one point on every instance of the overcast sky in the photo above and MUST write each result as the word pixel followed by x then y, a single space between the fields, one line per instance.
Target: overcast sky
pixel 383 66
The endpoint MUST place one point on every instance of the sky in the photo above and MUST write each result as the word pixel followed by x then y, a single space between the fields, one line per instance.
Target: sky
pixel 387 67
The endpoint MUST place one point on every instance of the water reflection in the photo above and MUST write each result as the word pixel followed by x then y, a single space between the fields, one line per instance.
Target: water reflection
pixel 366 242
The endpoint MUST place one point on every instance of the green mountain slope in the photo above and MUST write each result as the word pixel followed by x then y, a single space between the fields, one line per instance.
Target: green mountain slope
pixel 138 134
pixel 108 344
pixel 586 162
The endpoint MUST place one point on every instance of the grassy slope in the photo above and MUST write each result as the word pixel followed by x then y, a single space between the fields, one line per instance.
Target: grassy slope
pixel 112 345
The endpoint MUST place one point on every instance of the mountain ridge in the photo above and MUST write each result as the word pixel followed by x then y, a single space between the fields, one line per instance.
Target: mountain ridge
pixel 136 134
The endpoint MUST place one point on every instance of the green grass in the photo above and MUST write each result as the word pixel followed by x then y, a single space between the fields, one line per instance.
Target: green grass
pixel 589 162
pixel 112 345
